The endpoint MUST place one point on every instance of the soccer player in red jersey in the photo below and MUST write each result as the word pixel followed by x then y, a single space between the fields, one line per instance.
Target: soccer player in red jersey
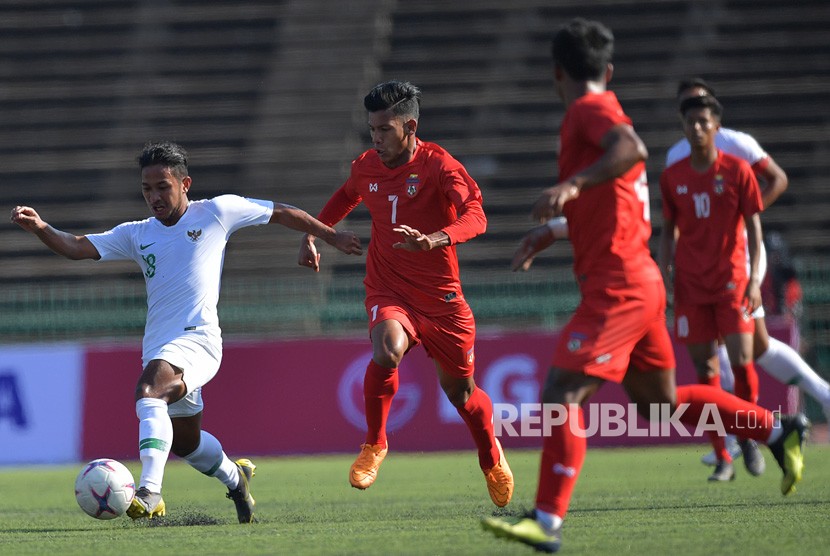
pixel 775 357
pixel 709 199
pixel 618 333
pixel 422 203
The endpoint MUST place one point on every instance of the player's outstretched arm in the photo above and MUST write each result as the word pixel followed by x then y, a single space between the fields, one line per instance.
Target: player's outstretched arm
pixel 300 220
pixel 64 244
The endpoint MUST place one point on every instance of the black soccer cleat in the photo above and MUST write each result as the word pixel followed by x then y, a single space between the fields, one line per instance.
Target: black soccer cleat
pixel 241 495
pixel 789 450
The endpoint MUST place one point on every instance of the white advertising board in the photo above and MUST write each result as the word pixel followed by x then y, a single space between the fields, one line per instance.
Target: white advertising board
pixel 40 403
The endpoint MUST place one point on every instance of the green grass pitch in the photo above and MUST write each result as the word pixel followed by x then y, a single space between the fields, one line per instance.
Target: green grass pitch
pixel 628 501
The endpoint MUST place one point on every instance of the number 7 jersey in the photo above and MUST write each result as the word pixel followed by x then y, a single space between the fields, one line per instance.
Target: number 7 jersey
pixel 431 192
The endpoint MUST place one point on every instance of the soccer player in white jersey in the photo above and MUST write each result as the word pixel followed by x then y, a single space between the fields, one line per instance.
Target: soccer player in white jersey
pixel 180 251
pixel 774 356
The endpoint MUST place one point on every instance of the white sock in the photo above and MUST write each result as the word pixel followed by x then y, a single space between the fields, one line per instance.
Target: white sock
pixel 155 435
pixel 209 459
pixel 727 379
pixel 786 365
pixel 547 520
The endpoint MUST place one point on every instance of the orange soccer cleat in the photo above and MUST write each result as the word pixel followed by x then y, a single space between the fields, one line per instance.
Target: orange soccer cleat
pixel 500 480
pixel 364 470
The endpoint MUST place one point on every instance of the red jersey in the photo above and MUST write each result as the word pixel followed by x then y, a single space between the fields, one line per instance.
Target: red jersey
pixel 709 209
pixel 431 192
pixel 608 224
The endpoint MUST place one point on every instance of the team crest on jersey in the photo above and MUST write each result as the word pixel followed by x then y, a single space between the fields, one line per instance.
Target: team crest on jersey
pixel 470 356
pixel 412 184
pixel 194 235
pixel 717 185
pixel 575 342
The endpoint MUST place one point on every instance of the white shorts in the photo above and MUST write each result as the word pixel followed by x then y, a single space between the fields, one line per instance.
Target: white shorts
pixel 198 354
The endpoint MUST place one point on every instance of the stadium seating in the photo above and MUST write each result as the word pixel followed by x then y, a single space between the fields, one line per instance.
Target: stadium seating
pixel 266 95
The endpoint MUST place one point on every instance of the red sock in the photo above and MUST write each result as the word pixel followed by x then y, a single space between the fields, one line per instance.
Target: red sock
pixel 562 455
pixel 738 416
pixel 478 414
pixel 379 387
pixel 718 442
pixel 746 382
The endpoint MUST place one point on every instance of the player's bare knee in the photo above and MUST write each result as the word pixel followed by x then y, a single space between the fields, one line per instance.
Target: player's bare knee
pixel 760 347
pixel 458 395
pixel 184 447
pixel 168 393
pixel 388 358
pixel 144 390
pixel 707 370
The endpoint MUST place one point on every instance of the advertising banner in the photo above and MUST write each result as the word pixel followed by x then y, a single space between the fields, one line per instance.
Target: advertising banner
pixel 306 396
pixel 40 403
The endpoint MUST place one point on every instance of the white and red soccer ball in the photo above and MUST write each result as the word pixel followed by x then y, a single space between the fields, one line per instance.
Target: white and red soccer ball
pixel 104 488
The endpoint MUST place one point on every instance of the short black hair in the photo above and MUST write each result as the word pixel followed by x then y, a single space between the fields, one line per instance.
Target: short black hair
pixel 693 83
pixel 707 101
pixel 401 97
pixel 583 48
pixel 166 153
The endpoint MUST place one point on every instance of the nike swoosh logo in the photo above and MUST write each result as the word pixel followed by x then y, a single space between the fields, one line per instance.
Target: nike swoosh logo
pixel 143 247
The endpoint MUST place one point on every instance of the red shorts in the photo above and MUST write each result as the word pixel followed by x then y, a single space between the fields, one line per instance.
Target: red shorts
pixel 614 328
pixel 448 339
pixel 699 323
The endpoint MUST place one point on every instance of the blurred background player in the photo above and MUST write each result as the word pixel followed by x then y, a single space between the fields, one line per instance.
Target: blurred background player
pixel 711 200
pixel 422 203
pixel 778 359
pixel 618 332
pixel 180 251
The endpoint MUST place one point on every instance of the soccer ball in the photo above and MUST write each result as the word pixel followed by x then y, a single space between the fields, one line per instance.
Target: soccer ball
pixel 104 488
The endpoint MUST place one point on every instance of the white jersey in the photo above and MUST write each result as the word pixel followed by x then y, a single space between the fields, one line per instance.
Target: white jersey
pixel 182 264
pixel 736 143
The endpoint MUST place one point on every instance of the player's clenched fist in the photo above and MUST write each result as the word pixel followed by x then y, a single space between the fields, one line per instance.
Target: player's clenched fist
pixel 27 218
